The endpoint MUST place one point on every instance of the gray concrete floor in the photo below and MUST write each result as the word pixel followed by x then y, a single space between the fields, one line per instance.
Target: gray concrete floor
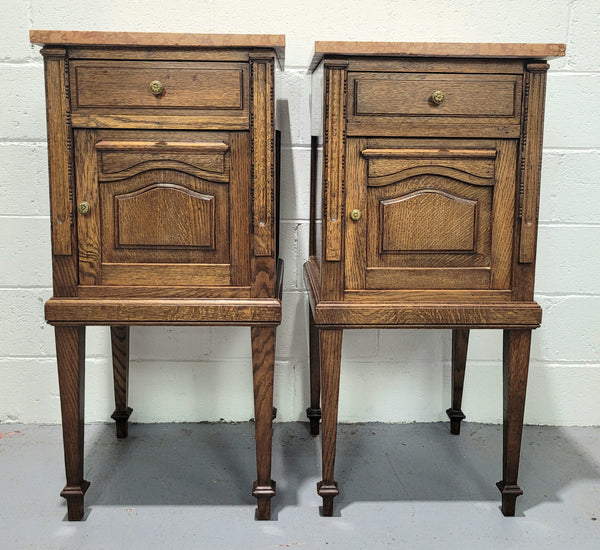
pixel 402 486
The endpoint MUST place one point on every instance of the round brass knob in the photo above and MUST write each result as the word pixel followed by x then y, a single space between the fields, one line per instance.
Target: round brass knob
pixel 84 207
pixel 355 215
pixel 437 97
pixel 156 87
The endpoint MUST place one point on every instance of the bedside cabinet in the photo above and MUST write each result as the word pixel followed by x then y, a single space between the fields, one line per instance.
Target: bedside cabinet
pixel 425 215
pixel 163 194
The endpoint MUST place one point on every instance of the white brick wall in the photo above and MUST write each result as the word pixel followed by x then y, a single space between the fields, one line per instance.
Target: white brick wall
pixel 188 374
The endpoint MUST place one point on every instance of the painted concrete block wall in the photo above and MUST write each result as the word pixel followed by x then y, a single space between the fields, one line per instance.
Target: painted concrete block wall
pixel 192 374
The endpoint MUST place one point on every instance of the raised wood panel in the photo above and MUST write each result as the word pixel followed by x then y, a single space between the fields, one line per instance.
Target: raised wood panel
pixel 164 216
pixel 184 218
pixel 429 221
pixel 192 86
pixel 405 222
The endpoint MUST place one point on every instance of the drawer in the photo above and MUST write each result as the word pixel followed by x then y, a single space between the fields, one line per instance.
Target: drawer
pixel 424 99
pixel 145 89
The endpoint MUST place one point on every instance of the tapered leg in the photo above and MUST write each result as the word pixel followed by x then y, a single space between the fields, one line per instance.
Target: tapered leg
pixel 119 337
pixel 263 364
pixel 70 356
pixel 516 365
pixel 331 355
pixel 460 342
pixel 314 411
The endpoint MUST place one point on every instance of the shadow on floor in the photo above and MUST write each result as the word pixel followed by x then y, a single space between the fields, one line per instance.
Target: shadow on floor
pixel 214 464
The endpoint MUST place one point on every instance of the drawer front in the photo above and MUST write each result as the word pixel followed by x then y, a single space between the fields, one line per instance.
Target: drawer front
pixel 434 99
pixel 431 217
pixel 179 88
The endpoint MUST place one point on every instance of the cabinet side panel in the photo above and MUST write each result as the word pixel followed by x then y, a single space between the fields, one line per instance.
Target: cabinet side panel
pixel 316 168
pixel 316 203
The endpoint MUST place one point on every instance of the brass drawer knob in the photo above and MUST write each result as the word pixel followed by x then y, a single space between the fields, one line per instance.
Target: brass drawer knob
pixel 156 87
pixel 84 207
pixel 437 97
pixel 355 215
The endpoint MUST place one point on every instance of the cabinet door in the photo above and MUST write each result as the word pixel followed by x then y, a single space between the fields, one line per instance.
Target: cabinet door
pixel 433 215
pixel 160 208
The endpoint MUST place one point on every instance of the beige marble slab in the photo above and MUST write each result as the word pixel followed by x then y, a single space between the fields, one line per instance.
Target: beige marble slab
pixel 159 39
pixel 436 49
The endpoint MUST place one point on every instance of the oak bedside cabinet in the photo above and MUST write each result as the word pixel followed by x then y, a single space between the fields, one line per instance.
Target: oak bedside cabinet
pixel 163 194
pixel 425 215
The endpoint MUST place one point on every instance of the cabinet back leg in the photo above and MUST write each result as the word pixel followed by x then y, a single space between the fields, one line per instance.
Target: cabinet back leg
pixel 314 411
pixel 119 337
pixel 460 343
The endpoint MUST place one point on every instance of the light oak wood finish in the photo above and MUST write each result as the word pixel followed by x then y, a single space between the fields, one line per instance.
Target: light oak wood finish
pixel 431 180
pixel 163 183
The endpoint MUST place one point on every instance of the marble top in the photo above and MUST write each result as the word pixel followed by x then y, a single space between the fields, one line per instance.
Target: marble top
pixel 436 49
pixel 159 39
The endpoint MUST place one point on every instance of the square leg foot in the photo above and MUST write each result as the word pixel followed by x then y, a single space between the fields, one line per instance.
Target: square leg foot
pixel 263 494
pixel 314 415
pixel 121 418
pixel 74 497
pixel 509 497
pixel 327 491
pixel 456 416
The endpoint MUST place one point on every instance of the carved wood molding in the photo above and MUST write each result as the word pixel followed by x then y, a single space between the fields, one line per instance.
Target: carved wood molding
pixel 60 149
pixel 433 170
pixel 262 112
pixel 334 153
pixel 530 158
pixel 174 165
